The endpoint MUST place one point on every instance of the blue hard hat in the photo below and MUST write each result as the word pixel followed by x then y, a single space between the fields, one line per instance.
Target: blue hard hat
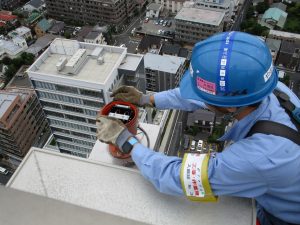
pixel 230 69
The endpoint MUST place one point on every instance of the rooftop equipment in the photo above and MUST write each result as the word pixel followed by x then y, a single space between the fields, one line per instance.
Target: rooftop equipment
pixel 128 114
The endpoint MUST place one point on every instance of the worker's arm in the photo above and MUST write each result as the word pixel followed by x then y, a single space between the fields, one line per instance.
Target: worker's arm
pixel 228 173
pixel 172 99
pixel 161 170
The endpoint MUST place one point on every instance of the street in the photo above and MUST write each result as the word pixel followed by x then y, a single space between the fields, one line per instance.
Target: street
pixel 241 16
pixel 126 37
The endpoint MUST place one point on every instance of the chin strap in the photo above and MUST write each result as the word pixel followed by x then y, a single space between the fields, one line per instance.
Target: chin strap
pixel 231 116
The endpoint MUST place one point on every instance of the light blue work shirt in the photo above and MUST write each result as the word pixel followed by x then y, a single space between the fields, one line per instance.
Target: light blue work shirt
pixel 264 167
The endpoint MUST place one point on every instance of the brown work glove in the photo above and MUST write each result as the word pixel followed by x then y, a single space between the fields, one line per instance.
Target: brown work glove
pixel 112 131
pixel 132 95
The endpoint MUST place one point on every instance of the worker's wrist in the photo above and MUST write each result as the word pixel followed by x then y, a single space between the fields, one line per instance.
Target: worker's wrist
pixel 123 137
pixel 147 100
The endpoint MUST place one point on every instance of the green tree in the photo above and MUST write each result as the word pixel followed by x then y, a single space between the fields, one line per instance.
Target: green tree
pixel 247 24
pixel 250 12
pixel 17 62
pixel 10 72
pixel 6 60
pixel 2 30
pixel 257 29
pixel 27 58
pixel 67 35
pixel 261 7
pixel 292 24
pixel 294 10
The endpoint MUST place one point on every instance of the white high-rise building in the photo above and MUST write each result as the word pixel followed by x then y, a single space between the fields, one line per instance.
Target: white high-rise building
pixel 73 80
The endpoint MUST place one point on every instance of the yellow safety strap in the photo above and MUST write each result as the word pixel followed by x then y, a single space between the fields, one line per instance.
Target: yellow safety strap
pixel 194 178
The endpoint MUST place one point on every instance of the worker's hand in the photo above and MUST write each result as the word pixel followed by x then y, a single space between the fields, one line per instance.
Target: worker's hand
pixel 132 95
pixel 112 131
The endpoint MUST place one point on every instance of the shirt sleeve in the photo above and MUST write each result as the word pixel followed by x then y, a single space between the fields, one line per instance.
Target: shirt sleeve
pixel 161 170
pixel 172 99
pixel 231 173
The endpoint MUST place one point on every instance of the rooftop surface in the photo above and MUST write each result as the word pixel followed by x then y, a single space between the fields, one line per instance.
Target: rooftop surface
pixel 277 15
pixel 119 191
pixel 5 101
pixel 284 34
pixel 131 62
pixel 224 3
pixel 165 63
pixel 153 6
pixel 9 46
pixel 200 15
pixel 89 71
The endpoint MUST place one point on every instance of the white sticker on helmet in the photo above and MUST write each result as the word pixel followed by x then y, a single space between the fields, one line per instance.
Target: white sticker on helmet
pixel 269 73
pixel 191 70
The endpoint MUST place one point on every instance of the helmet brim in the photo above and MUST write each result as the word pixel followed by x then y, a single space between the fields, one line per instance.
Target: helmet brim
pixel 186 87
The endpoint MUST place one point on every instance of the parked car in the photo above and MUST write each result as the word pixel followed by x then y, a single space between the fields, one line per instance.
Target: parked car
pixel 186 142
pixel 146 20
pixel 169 23
pixel 3 170
pixel 199 146
pixel 193 145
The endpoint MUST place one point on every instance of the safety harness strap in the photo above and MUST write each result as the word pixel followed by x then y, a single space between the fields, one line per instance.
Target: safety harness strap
pixel 278 129
pixel 289 107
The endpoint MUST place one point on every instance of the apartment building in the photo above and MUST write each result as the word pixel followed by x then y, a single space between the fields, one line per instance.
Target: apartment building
pixel 173 6
pixel 230 7
pixel 22 122
pixel 73 80
pixel 102 12
pixel 163 72
pixel 196 24
pixel 284 36
pixel 22 31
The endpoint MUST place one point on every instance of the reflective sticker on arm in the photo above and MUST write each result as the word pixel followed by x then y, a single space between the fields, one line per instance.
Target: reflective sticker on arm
pixel 194 178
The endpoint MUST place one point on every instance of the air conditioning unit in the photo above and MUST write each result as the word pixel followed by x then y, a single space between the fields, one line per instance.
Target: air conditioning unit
pixel 100 60
pixel 61 63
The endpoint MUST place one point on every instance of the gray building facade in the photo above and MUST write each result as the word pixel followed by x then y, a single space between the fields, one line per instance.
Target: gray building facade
pixel 102 12
pixel 196 24
pixel 163 72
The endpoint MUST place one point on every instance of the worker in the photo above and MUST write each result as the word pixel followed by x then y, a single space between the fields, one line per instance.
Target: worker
pixel 232 74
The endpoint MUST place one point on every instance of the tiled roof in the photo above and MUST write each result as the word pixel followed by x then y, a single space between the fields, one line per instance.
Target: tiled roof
pixel 44 25
pixel 7 17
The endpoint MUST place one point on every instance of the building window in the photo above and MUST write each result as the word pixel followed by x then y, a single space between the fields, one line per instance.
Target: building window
pixel 92 103
pixel 72 109
pixel 67 89
pixel 90 93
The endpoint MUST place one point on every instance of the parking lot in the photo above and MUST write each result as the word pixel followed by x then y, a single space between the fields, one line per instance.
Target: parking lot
pixel 158 26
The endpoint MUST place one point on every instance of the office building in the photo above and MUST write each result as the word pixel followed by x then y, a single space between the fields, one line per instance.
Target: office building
pixel 22 122
pixel 196 24
pixel 163 72
pixel 230 7
pixel 73 80
pixel 101 12
pixel 173 6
